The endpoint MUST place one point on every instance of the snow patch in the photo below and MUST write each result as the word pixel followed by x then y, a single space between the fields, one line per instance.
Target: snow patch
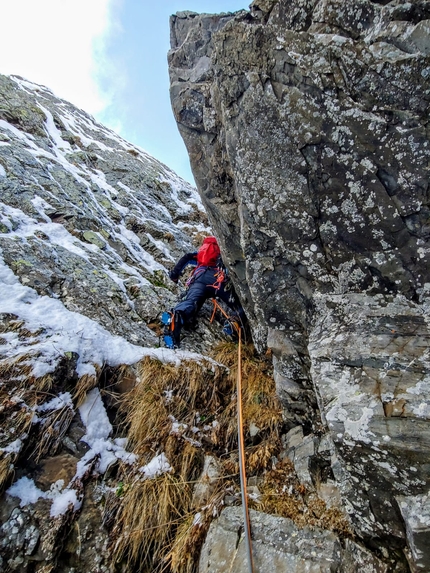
pixel 63 400
pixel 67 331
pixel 95 418
pixel 53 132
pixel 13 447
pixel 156 467
pixel 27 491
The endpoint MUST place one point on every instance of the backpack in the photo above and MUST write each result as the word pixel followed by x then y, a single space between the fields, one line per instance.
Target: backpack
pixel 208 253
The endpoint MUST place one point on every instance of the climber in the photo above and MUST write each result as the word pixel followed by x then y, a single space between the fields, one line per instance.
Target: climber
pixel 208 280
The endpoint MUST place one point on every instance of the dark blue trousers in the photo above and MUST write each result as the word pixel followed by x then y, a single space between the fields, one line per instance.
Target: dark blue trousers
pixel 200 290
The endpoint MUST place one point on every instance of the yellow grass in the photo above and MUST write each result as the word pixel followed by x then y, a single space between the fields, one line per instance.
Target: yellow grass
pixel 149 515
pixel 6 469
pixel 283 495
pixel 152 511
pixel 51 432
pixel 21 421
pixel 261 406
pixel 154 525
pixel 83 386
pixel 166 393
pixel 21 368
pixel 190 535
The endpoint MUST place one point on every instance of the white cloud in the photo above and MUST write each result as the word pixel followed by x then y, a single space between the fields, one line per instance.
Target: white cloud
pixel 61 44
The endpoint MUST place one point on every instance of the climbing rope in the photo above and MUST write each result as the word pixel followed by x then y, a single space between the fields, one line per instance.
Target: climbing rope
pixel 235 325
pixel 217 306
pixel 241 441
pixel 242 470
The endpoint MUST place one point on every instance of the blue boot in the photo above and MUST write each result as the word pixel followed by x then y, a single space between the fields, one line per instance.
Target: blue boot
pixel 231 328
pixel 172 329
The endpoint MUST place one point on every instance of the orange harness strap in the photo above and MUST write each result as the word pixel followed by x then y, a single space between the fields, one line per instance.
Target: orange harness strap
pixel 220 278
pixel 217 306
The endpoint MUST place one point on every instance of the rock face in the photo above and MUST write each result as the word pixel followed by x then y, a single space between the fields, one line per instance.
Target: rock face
pixel 307 127
pixel 89 225
pixel 86 217
pixel 279 546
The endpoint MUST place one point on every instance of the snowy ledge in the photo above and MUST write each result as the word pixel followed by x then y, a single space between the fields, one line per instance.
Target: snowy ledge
pixel 64 331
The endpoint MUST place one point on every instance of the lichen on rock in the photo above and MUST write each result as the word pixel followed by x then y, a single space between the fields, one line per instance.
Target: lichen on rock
pixel 308 139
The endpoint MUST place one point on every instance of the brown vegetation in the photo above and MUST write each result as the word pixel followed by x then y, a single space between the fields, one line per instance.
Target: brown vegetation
pixel 284 495
pixel 186 412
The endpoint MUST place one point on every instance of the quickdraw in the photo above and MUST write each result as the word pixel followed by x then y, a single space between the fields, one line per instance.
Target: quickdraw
pixel 220 278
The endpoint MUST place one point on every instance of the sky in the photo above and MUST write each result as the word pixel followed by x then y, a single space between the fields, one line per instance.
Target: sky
pixel 108 57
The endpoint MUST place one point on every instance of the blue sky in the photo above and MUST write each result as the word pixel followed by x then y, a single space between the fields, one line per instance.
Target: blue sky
pixel 109 57
pixel 142 104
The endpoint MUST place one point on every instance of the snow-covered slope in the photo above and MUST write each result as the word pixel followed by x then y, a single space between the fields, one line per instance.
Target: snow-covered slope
pixel 89 226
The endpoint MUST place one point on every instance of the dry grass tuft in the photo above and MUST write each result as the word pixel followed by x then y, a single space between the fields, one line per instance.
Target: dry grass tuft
pixel 20 371
pixel 147 520
pixel 189 537
pixel 261 407
pixel 145 409
pixel 15 414
pixel 259 458
pixel 186 458
pixel 154 525
pixel 166 394
pixel 283 495
pixel 44 383
pixel 21 420
pixel 191 534
pixel 51 431
pixel 6 469
pixel 83 386
pixel 19 368
pixel 15 325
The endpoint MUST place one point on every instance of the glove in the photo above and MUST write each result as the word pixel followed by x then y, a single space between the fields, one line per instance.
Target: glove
pixel 173 278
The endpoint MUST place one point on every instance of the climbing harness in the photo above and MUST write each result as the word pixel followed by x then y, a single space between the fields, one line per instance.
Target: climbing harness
pixel 242 470
pixel 220 277
pixel 195 275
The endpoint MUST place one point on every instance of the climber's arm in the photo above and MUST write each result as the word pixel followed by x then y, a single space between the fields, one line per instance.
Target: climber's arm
pixel 188 259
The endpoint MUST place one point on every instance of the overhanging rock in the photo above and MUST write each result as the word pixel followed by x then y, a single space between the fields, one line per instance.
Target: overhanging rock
pixel 307 129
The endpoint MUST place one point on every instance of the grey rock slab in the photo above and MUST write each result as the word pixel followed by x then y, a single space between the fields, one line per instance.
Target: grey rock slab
pixel 416 513
pixel 90 225
pixel 370 370
pixel 206 482
pixel 357 559
pixel 90 211
pixel 278 546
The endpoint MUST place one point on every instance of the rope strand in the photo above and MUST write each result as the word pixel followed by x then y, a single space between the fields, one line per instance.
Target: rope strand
pixel 242 470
